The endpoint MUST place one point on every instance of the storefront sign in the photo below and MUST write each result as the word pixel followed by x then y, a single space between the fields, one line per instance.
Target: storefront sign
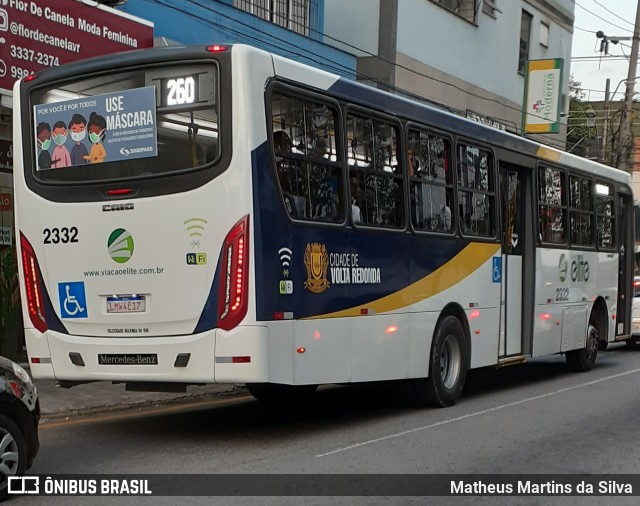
pixel 6 235
pixel 38 34
pixel 6 156
pixel 6 202
pixel 542 94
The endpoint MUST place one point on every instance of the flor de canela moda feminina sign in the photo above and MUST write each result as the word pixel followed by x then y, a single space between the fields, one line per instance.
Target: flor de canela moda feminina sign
pixel 103 128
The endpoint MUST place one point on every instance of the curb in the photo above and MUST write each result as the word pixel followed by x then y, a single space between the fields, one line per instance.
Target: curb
pixel 143 405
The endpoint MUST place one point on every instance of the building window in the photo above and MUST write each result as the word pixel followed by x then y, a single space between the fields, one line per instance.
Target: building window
pixel 544 34
pixel 525 38
pixel 464 8
pixel 489 7
pixel 291 14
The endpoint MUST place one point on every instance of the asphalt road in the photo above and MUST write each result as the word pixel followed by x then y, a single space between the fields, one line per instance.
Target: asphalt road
pixel 535 418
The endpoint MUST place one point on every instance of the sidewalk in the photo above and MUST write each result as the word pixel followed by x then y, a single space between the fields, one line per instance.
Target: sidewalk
pixel 103 396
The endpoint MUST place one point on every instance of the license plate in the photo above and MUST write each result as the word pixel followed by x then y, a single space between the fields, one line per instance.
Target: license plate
pixel 127 304
pixel 128 359
pixel 636 326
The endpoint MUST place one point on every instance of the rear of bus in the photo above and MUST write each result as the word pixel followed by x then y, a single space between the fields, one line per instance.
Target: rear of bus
pixel 134 218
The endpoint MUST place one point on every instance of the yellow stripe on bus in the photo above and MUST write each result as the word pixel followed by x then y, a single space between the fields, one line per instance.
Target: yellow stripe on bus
pixel 455 270
pixel 548 154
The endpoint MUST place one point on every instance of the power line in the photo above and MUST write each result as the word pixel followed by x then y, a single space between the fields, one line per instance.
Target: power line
pixel 603 19
pixel 323 60
pixel 613 13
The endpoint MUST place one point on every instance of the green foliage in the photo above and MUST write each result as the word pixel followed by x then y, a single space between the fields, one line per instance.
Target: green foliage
pixel 9 295
pixel 579 135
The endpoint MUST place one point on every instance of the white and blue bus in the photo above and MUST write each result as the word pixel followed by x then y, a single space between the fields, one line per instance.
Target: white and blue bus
pixel 222 214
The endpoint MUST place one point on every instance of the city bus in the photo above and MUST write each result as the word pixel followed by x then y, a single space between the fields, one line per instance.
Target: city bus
pixel 219 214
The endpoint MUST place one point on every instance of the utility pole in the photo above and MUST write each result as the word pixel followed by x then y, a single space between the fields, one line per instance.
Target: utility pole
pixel 605 123
pixel 626 135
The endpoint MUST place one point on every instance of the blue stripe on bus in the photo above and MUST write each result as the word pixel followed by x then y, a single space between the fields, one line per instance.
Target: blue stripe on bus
pixel 400 259
pixel 53 322
pixel 363 95
pixel 209 316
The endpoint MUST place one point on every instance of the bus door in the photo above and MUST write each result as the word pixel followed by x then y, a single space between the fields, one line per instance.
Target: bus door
pixel 626 263
pixel 517 266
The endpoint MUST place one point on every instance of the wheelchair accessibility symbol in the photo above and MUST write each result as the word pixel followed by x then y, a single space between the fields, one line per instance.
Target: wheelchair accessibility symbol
pixel 73 302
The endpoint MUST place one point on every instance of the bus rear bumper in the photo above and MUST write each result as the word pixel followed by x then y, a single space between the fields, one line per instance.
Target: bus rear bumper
pixel 238 356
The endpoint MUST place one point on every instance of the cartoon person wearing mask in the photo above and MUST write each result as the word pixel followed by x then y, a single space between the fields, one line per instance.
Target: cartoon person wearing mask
pixel 61 155
pixel 96 127
pixel 43 133
pixel 78 131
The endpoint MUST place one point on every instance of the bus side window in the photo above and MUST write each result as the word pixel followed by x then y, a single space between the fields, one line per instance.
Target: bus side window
pixel 605 217
pixel 374 171
pixel 306 158
pixel 476 191
pixel 553 205
pixel 430 181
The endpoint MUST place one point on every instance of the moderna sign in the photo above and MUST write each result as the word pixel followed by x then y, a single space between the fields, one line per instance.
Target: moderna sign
pixel 543 91
pixel 47 33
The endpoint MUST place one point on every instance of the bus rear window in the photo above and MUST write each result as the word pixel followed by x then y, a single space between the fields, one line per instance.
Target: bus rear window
pixel 139 123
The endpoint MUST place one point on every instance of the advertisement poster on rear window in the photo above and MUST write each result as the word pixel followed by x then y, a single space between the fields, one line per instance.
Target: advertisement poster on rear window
pixel 103 128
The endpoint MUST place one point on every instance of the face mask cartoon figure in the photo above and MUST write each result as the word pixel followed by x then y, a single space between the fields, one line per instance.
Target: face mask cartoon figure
pixel 78 136
pixel 46 144
pixel 97 128
pixel 59 133
pixel 43 142
pixel 95 137
pixel 44 136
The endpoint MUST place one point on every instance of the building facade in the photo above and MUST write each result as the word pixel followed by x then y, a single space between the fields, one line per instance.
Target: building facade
pixel 468 55
pixel 291 28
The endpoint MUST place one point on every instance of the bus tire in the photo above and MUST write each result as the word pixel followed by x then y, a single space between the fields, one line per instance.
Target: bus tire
pixel 276 393
pixel 632 344
pixel 584 359
pixel 447 367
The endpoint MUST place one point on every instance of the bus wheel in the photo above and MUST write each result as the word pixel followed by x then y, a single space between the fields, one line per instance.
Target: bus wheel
pixel 447 368
pixel 276 393
pixel 584 359
pixel 632 343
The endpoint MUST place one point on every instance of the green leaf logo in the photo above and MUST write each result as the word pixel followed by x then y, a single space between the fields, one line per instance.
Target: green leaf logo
pixel 120 245
pixel 563 268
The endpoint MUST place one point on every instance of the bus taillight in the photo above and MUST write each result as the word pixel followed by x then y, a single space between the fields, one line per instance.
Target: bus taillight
pixel 217 48
pixel 33 285
pixel 232 307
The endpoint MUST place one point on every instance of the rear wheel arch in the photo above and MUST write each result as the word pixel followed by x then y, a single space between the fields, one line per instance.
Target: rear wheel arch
pixel 455 310
pixel 448 361
pixel 599 317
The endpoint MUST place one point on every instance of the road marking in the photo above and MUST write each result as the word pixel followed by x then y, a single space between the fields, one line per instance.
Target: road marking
pixel 477 413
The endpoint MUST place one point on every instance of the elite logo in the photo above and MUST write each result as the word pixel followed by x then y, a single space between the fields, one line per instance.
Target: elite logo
pixel 120 244
pixel 563 267
pixel 579 270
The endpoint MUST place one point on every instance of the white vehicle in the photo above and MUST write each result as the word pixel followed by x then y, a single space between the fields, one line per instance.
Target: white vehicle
pixel 223 214
pixel 635 322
